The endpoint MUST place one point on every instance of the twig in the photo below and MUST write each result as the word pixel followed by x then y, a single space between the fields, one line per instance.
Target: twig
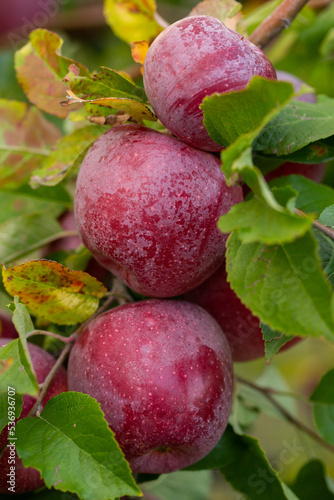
pixel 66 340
pixel 280 19
pixel 321 227
pixel 290 418
pixel 49 379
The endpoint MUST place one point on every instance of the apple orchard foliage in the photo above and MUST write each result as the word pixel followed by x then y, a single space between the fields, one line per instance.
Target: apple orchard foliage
pixel 278 263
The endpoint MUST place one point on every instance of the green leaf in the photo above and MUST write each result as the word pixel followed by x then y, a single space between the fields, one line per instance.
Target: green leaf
pixel 132 20
pixel 40 69
pixel 298 124
pixel 256 221
pixel 74 449
pixel 26 139
pixel 68 155
pixel 284 285
pixel 312 197
pixel 54 292
pixel 314 153
pixel 311 482
pixel 323 410
pixel 245 112
pixel 327 217
pixel 223 11
pixel 326 253
pixel 16 370
pixel 22 235
pixel 273 341
pixel 9 401
pixel 243 463
pixel 22 321
pixel 181 484
pixel 106 83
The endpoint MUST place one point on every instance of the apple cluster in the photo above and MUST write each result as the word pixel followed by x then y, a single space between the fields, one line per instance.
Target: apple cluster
pixel 147 205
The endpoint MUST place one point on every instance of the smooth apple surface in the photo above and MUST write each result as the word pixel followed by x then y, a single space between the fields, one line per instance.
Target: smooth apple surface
pixel 147 207
pixel 195 57
pixel 7 328
pixel 27 478
pixel 162 371
pixel 241 327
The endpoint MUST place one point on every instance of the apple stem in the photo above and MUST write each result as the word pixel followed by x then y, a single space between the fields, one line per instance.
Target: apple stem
pixel 278 20
pixel 321 227
pixel 267 392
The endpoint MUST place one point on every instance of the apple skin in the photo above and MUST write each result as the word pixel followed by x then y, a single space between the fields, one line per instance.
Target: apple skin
pixel 26 15
pixel 195 57
pixel 241 327
pixel 147 207
pixel 7 328
pixel 162 372
pixel 27 478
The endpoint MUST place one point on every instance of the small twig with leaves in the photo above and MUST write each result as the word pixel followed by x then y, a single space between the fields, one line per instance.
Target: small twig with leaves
pixel 267 392
pixel 280 19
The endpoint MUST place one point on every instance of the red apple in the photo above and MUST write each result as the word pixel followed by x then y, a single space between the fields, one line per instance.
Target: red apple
pixel 28 479
pixel 7 328
pixel 162 371
pixel 195 57
pixel 147 207
pixel 241 327
pixel 23 16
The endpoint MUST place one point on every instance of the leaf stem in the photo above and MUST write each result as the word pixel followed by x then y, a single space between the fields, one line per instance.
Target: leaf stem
pixel 278 20
pixel 321 227
pixel 49 379
pixel 290 418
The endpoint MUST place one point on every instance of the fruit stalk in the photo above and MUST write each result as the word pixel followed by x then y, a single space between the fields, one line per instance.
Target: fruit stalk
pixel 280 19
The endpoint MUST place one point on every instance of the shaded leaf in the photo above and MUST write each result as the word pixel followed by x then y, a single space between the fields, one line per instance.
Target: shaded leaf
pixel 180 484
pixel 9 400
pixel 244 464
pixel 92 466
pixel 68 155
pixel 313 475
pixel 314 153
pixel 16 370
pixel 22 235
pixel 26 138
pixel 284 285
pixel 54 292
pixel 323 410
pixel 298 124
pixel 326 253
pixel 311 196
pixel 132 20
pixel 40 69
pixel 327 217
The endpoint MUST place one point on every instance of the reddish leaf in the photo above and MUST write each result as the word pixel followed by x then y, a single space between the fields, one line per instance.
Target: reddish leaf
pixel 40 69
pixel 54 292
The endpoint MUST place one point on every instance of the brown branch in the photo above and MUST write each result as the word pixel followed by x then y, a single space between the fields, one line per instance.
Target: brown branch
pixel 290 418
pixel 280 19
pixel 324 229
